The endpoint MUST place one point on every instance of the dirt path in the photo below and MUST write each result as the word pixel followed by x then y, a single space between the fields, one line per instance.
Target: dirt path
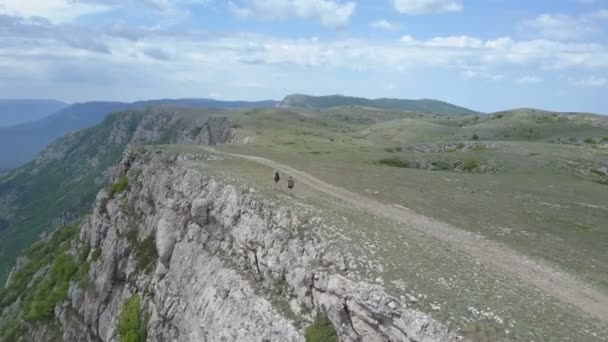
pixel 559 284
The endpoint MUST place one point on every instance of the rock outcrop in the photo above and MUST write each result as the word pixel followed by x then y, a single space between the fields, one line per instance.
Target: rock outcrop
pixel 228 265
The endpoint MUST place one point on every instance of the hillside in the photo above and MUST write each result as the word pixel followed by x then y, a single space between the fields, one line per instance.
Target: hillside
pixel 14 112
pixel 422 106
pixel 402 226
pixel 20 144
pixel 62 182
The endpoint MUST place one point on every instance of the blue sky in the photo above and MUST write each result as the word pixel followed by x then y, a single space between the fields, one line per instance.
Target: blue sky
pixel 487 55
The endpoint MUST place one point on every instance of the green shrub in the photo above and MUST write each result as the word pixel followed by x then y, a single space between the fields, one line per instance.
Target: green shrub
pixel 389 149
pixel 84 253
pixel 321 331
pixel 38 256
pixel 602 181
pixel 132 235
pixel 442 164
pixel 83 272
pixel 475 137
pixel 53 288
pixel 145 255
pixel 121 185
pixel 132 322
pixel 399 149
pixel 589 141
pixel 394 161
pixel 470 165
pixel 12 331
pixel 96 254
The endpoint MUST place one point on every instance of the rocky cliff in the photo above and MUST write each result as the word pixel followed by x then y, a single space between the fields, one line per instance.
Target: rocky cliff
pixel 63 181
pixel 213 260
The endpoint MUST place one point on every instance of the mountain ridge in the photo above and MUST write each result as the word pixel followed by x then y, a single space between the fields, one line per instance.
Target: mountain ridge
pixel 19 111
pixel 420 105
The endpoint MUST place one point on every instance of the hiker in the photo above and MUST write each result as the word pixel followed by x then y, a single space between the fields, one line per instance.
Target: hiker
pixel 276 178
pixel 290 183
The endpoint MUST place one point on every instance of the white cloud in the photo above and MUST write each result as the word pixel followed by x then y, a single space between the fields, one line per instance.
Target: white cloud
pixel 239 12
pixel 327 12
pixel 408 39
pixel 55 10
pixel 384 25
pixel 591 81
pixel 469 74
pixel 565 27
pixel 235 62
pixel 529 80
pixel 391 86
pixel 64 11
pixel 455 42
pixel 416 7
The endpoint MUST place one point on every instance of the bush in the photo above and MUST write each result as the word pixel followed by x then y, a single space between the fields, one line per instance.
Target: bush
pixel 96 254
pixel 589 141
pixel 321 331
pixel 389 149
pixel 83 255
pixel 393 161
pixel 53 288
pixel 121 185
pixel 442 164
pixel 470 165
pixel 475 137
pixel 83 273
pixel 145 255
pixel 12 331
pixel 132 322
pixel 38 256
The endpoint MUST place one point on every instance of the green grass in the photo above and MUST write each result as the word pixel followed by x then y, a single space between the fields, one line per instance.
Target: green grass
pixel 321 330
pixel 132 322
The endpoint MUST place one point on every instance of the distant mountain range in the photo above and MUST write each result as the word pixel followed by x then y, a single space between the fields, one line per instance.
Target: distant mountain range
pixel 423 106
pixel 21 143
pixel 14 112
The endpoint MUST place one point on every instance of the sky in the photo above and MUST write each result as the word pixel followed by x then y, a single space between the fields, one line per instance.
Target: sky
pixel 487 55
